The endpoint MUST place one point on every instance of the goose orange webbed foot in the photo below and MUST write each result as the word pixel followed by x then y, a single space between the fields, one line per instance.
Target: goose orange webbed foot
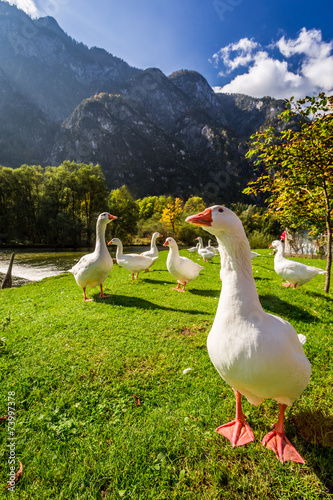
pixel 238 432
pixel 282 447
pixel 277 441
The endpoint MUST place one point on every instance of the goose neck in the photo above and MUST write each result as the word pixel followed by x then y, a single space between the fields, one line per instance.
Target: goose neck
pixel 100 237
pixel 238 285
pixel 119 252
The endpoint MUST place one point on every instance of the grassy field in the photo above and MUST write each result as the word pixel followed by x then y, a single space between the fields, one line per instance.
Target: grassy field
pixel 104 410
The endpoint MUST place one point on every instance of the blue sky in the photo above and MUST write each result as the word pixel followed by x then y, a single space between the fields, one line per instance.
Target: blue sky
pixel 256 47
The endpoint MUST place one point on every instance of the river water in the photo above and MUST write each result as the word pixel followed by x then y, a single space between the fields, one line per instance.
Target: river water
pixel 30 265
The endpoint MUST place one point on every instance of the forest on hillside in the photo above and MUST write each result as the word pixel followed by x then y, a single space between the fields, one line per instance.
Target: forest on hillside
pixel 58 207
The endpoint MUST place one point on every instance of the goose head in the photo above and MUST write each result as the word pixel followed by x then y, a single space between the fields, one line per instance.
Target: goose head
pixel 170 242
pixel 115 241
pixel 276 245
pixel 217 220
pixel 106 217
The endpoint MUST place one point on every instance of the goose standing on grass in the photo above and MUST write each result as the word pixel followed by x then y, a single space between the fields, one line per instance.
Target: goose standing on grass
pixel 133 262
pixel 93 268
pixel 193 249
pixel 211 248
pixel 153 252
pixel 207 255
pixel 259 355
pixel 295 273
pixel 181 268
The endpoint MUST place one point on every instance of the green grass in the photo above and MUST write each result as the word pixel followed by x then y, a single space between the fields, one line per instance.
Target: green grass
pixel 105 411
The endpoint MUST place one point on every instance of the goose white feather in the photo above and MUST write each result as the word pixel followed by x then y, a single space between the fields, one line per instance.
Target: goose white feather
pixel 181 268
pixel 295 273
pixel 133 262
pixel 93 269
pixel 260 355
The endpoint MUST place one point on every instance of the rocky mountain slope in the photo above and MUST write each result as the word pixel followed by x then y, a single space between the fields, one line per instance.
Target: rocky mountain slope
pixel 61 101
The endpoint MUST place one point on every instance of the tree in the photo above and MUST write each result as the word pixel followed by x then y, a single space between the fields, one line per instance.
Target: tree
pixel 194 205
pixel 298 176
pixel 122 204
pixel 172 213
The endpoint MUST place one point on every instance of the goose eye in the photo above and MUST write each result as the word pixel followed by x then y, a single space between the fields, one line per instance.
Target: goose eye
pixel 220 210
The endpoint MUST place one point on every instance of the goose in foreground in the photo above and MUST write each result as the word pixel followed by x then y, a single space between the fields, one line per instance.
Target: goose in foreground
pixel 206 254
pixel 133 262
pixel 181 268
pixel 93 268
pixel 295 273
pixel 258 354
pixel 153 252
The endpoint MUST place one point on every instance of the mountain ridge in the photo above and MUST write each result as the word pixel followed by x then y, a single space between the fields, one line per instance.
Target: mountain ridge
pixel 61 100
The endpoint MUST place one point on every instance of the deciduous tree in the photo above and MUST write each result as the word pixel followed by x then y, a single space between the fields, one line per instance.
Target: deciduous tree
pixel 298 177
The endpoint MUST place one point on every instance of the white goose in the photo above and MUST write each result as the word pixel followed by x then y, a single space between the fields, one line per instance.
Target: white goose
pixel 181 268
pixel 194 249
pixel 153 252
pixel 93 268
pixel 254 255
pixel 258 354
pixel 207 255
pixel 295 273
pixel 211 248
pixel 133 262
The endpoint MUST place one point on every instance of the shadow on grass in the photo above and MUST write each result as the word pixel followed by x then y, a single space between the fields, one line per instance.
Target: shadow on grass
pixel 125 301
pixel 317 430
pixel 275 305
pixel 158 282
pixel 319 295
pixel 205 293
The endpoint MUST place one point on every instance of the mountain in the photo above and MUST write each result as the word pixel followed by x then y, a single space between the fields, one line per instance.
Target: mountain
pixel 157 134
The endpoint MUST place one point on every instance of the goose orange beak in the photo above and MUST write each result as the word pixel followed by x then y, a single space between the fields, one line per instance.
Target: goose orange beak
pixel 112 217
pixel 166 243
pixel 202 219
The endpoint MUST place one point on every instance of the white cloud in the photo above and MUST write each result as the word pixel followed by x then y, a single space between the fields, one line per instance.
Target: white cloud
pixel 28 6
pixel 244 49
pixel 267 75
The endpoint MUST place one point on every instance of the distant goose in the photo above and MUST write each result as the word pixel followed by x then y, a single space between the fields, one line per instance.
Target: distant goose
pixel 295 273
pixel 93 268
pixel 193 249
pixel 211 248
pixel 133 262
pixel 207 255
pixel 153 252
pixel 181 268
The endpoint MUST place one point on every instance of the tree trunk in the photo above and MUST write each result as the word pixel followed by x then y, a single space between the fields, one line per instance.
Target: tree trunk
pixel 329 255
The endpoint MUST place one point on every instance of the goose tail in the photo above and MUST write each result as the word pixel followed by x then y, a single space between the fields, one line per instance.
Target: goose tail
pixel 302 338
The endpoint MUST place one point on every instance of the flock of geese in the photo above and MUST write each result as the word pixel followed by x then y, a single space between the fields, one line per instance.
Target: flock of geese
pixel 258 354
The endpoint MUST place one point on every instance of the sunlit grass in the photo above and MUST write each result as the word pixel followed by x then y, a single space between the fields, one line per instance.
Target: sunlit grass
pixel 105 411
